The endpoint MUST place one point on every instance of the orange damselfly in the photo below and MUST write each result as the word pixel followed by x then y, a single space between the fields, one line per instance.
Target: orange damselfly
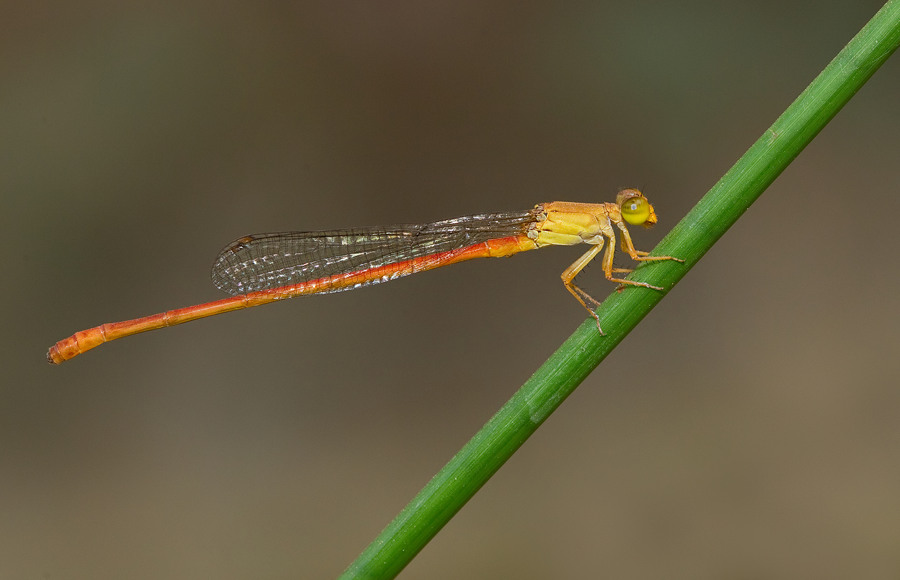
pixel 263 268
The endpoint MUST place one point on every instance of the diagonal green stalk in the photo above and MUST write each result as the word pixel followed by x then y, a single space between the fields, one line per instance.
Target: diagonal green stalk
pixel 555 380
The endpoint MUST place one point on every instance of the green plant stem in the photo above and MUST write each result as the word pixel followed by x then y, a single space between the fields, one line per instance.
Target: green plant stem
pixel 557 378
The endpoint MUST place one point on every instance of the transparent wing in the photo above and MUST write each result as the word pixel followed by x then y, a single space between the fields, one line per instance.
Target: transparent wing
pixel 266 261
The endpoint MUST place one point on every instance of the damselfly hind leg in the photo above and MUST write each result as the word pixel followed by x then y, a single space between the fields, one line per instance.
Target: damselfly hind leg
pixel 568 276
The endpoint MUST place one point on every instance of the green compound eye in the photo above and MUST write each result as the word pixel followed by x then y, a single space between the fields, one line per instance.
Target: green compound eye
pixel 636 211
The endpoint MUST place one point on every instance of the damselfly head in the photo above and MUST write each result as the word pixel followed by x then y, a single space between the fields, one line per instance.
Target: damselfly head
pixel 635 208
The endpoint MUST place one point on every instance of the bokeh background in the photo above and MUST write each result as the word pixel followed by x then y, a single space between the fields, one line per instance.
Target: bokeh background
pixel 750 427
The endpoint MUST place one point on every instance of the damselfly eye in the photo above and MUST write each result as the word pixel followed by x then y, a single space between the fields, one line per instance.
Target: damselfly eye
pixel 636 210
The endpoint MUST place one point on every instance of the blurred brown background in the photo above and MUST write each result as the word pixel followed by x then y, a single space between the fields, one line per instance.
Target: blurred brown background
pixel 749 428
